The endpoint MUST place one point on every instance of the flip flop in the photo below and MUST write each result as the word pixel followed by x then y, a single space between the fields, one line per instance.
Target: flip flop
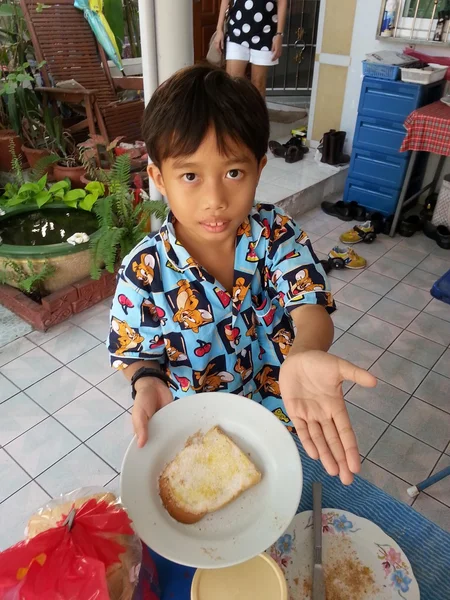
pixel 293 154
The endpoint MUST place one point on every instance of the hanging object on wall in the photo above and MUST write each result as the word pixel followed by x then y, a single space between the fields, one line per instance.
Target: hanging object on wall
pixel 443 17
pixel 388 23
pixel 299 45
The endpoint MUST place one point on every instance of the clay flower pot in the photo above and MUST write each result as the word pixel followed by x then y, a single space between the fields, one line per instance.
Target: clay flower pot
pixel 75 174
pixel 33 155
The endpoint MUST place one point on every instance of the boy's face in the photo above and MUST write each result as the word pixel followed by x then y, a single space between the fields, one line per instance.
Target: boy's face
pixel 210 194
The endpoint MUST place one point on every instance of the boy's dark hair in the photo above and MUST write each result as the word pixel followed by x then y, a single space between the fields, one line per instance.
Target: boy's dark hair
pixel 184 107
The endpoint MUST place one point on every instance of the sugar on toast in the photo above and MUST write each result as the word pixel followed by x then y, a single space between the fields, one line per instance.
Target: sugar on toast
pixel 210 472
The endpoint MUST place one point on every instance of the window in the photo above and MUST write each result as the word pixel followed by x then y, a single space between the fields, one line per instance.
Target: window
pixel 425 8
pixel 416 20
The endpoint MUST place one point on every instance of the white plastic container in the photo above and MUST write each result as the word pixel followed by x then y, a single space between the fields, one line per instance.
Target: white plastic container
pixel 429 74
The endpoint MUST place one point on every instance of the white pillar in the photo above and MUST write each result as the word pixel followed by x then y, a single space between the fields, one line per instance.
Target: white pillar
pixel 174 36
pixel 147 28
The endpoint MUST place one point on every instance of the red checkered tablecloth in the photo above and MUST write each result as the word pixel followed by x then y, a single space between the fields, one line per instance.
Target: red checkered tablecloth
pixel 428 129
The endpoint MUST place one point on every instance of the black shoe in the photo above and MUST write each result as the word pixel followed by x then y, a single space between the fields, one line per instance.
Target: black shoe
pixel 294 154
pixel 326 147
pixel 443 237
pixel 337 157
pixel 377 219
pixel 440 234
pixel 410 225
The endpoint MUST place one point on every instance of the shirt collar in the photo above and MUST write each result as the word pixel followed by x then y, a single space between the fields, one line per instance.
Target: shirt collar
pixel 251 230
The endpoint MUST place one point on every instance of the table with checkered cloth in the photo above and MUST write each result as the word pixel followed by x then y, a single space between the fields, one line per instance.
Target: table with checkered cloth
pixel 428 130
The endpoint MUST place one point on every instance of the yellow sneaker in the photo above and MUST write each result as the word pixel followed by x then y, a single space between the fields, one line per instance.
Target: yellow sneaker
pixel 341 257
pixel 359 233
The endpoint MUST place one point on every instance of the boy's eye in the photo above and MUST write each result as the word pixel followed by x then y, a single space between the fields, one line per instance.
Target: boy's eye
pixel 234 174
pixel 189 177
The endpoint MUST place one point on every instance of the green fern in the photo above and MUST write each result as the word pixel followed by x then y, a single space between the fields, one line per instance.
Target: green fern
pixel 28 280
pixel 42 165
pixel 16 164
pixel 121 225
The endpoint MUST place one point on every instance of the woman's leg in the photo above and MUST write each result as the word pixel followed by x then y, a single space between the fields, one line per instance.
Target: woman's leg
pixel 236 68
pixel 259 78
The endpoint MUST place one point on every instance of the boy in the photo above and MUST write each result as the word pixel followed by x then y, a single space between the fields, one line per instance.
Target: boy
pixel 213 300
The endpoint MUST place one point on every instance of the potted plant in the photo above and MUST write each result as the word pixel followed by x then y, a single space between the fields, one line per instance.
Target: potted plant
pixel 97 157
pixel 121 224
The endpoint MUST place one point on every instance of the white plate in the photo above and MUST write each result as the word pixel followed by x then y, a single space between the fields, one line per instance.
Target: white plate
pixel 345 536
pixel 244 528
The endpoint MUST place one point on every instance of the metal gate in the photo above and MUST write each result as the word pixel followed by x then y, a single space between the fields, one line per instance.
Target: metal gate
pixel 294 74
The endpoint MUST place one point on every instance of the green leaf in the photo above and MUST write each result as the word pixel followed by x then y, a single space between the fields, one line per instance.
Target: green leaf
pixel 41 183
pixel 72 203
pixel 7 10
pixel 24 77
pixel 74 195
pixel 88 202
pixel 29 187
pixel 16 201
pixel 41 64
pixel 42 198
pixel 58 186
pixel 96 186
pixel 59 194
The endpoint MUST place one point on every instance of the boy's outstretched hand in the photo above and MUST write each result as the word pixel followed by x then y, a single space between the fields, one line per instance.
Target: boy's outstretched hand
pixel 311 388
pixel 151 395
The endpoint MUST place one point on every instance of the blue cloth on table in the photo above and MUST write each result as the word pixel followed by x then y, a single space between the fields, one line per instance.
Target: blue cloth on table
pixel 425 544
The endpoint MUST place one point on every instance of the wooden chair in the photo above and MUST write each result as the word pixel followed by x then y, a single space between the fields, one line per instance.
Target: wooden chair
pixel 62 38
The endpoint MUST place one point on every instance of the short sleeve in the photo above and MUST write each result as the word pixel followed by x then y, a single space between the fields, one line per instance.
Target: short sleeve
pixel 135 327
pixel 296 274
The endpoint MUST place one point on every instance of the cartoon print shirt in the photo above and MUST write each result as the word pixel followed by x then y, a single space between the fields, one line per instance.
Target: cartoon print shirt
pixel 169 309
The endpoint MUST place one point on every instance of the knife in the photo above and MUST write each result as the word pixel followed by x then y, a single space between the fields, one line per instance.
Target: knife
pixel 318 589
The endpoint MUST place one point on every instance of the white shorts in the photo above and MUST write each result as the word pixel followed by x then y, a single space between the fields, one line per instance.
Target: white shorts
pixel 255 57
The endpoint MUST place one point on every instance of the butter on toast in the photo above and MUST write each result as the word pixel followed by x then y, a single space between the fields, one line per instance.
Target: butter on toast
pixel 210 472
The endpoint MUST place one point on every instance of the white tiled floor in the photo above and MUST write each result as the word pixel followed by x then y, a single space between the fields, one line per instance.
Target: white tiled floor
pixel 63 413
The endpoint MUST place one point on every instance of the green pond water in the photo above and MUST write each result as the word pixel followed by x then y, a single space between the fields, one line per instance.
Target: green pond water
pixel 44 227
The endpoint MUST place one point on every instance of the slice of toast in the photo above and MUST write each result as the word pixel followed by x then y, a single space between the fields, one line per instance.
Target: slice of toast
pixel 207 474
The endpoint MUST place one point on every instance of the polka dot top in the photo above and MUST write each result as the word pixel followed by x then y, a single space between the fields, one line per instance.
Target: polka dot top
pixel 253 23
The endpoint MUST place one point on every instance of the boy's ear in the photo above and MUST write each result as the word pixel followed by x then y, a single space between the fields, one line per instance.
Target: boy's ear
pixel 157 177
pixel 262 164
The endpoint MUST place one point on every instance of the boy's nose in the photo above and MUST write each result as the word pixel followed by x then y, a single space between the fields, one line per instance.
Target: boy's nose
pixel 216 197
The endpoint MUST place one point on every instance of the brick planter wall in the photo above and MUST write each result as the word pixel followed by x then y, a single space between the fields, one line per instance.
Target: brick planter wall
pixel 59 306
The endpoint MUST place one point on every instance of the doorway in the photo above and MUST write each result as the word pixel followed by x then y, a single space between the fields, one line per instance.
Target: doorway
pixel 291 81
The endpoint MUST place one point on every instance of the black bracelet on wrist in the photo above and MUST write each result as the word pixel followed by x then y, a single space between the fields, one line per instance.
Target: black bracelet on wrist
pixel 149 372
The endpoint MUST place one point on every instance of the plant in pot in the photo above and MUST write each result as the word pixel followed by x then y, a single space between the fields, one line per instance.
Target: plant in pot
pixel 36 190
pixel 63 145
pixel 15 77
pixel 97 157
pixel 121 224
pixel 28 279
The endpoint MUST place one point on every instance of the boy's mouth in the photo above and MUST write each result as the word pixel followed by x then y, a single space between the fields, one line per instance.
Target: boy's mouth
pixel 215 226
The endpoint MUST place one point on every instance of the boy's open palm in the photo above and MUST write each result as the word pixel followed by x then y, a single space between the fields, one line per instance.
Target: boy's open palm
pixel 152 394
pixel 311 388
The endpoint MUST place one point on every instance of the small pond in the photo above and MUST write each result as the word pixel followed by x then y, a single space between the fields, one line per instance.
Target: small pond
pixel 44 227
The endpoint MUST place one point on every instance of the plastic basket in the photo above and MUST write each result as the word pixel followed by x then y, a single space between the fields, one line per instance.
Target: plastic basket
pixel 424 77
pixel 441 289
pixel 380 71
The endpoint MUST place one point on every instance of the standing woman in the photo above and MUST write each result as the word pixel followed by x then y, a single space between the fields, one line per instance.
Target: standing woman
pixel 255 35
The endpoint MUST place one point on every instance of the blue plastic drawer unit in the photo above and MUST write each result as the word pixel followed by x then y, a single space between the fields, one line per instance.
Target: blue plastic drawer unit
pixel 393 100
pixel 379 134
pixel 375 167
pixel 373 197
pixel 378 168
